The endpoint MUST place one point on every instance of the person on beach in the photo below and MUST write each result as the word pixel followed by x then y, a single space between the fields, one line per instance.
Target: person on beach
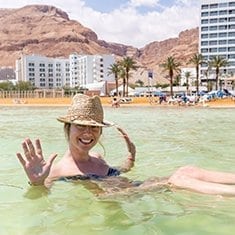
pixel 83 127
pixel 115 102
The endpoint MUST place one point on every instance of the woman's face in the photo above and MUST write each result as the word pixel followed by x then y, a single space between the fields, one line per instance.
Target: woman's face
pixel 84 137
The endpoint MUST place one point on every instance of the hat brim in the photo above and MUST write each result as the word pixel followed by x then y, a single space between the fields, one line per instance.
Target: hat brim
pixel 85 122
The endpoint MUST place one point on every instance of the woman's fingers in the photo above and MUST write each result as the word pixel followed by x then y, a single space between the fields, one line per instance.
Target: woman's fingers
pixel 31 152
pixel 21 159
pixel 26 151
pixel 51 158
pixel 38 148
pixel 30 147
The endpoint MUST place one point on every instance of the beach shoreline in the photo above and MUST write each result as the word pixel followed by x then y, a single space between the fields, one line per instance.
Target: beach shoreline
pixel 107 101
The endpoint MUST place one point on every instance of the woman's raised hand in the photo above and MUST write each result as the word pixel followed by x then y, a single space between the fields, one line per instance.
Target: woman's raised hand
pixel 130 145
pixel 36 168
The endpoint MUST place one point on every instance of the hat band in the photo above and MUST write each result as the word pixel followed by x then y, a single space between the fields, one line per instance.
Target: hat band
pixel 85 118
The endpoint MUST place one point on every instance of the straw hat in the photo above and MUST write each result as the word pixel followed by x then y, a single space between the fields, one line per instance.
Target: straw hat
pixel 85 110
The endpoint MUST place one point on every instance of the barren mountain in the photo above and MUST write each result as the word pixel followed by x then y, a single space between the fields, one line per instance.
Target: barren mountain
pixel 46 30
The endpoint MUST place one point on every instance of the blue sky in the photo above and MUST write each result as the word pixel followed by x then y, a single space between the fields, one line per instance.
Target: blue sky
pixel 130 22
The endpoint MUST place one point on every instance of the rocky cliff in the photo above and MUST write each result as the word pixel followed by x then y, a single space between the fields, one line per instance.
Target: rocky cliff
pixel 46 30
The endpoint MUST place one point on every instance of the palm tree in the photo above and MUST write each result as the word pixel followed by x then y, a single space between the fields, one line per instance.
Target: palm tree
pixel 217 62
pixel 122 75
pixel 128 64
pixel 115 70
pixel 197 60
pixel 171 66
pixel 187 76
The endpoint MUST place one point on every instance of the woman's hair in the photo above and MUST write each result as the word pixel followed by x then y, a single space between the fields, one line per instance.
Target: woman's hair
pixel 67 130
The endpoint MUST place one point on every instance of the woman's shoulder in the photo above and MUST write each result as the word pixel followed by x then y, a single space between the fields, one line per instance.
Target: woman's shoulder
pixel 96 155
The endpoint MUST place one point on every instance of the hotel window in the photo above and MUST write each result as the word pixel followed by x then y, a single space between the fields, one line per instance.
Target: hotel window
pixel 222 35
pixel 212 21
pixel 222 42
pixel 204 21
pixel 231 19
pixel 232 26
pixel 231 12
pixel 213 13
pixel 205 7
pixel 203 29
pixel 223 12
pixel 204 43
pixel 213 6
pixel 204 36
pixel 204 50
pixel 222 27
pixel 231 4
pixel 222 20
pixel 231 41
pixel 204 14
pixel 213 28
pixel 221 5
pixel 231 49
pixel 231 34
pixel 213 35
pixel 213 50
pixel 222 49
pixel 213 43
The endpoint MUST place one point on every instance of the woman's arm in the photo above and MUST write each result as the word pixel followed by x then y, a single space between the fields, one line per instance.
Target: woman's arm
pixel 129 162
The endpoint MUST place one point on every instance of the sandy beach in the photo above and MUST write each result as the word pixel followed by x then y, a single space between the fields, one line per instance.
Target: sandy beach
pixel 107 101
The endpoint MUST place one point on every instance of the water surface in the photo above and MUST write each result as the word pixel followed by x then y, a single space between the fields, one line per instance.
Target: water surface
pixel 166 138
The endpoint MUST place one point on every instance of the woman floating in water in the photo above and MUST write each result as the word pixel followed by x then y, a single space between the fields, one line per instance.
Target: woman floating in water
pixel 83 125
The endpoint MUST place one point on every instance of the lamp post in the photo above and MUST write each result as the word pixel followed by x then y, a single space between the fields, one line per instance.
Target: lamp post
pixel 150 79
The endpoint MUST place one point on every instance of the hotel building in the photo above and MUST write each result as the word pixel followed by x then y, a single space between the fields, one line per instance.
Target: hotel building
pixel 51 73
pixel 217 34
pixel 43 72
pixel 88 69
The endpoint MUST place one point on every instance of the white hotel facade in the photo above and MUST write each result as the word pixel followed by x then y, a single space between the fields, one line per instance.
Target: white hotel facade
pixel 76 71
pixel 217 33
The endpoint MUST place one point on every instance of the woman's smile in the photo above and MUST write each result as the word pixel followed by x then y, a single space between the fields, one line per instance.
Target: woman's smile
pixel 86 141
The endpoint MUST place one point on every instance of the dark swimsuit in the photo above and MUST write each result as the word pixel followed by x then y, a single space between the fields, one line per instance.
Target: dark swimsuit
pixel 115 172
pixel 111 172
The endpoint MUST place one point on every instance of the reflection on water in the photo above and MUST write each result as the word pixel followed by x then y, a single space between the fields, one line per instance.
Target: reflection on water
pixel 165 139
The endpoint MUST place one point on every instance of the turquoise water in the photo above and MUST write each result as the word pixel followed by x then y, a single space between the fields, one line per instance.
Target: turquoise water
pixel 165 138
